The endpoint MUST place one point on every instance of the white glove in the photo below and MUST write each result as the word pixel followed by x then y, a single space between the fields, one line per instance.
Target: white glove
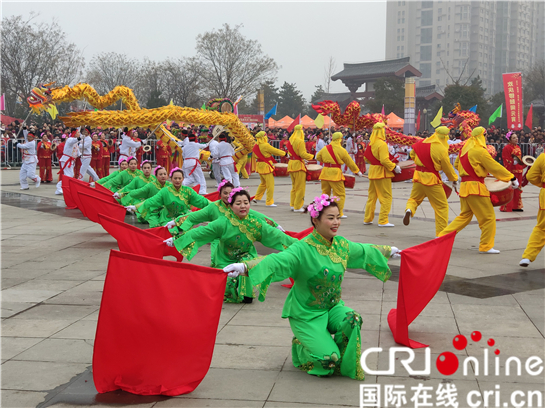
pixel 360 174
pixel 169 242
pixel 131 208
pixel 92 184
pixel 180 144
pixel 116 195
pixel 455 186
pixel 397 170
pixel 515 183
pixel 235 269
pixel 280 228
pixel 170 224
pixel 396 252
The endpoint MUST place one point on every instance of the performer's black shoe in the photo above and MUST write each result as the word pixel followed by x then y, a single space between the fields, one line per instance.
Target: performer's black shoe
pixel 407 217
pixel 247 299
pixel 519 210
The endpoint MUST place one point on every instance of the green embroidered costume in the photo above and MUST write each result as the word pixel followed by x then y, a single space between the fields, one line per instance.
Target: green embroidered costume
pixel 122 179
pixel 314 306
pixel 169 203
pixel 136 183
pixel 109 177
pixel 236 243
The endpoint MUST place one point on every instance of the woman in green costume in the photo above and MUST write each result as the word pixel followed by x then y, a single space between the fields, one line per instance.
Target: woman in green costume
pixel 134 199
pixel 138 182
pixel 170 202
pixel 123 165
pixel 125 177
pixel 216 209
pixel 314 306
pixel 236 231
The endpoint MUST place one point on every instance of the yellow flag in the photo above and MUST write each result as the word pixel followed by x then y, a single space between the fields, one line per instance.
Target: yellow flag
pixel 437 121
pixel 319 121
pixel 53 112
pixel 171 103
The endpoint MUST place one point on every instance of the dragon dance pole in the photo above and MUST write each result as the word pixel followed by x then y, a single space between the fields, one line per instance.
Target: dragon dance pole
pixel 24 121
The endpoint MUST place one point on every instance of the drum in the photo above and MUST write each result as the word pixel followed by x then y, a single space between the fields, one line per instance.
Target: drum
pixel 349 181
pixel 407 171
pixel 281 170
pixel 312 162
pixel 527 160
pixel 501 192
pixel 313 172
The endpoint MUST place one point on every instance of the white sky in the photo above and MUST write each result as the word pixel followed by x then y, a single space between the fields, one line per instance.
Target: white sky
pixel 301 37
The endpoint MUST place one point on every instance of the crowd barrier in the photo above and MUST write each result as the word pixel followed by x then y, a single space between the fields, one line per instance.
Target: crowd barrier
pixel 11 156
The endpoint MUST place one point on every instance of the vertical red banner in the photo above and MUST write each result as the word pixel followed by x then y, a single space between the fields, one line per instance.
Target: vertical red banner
pixel 512 87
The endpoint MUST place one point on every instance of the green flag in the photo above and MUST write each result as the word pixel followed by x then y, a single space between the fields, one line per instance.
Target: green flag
pixel 497 114
pixel 203 106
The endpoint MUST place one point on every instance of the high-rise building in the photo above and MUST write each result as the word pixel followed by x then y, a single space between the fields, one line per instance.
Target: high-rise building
pixel 451 41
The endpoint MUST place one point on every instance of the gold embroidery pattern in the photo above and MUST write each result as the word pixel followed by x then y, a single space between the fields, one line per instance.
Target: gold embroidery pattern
pixel 338 250
pixel 249 226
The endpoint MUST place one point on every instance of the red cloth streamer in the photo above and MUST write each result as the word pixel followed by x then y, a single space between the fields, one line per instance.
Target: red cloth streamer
pixel 423 268
pixel 100 187
pixel 299 236
pixel 196 188
pixel 136 241
pixel 157 325
pixel 77 187
pixel 95 205
pixel 67 194
pixel 297 121
pixel 86 188
pixel 215 196
pixel 161 232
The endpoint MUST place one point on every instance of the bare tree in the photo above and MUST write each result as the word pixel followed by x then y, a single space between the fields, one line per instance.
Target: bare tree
pixel 232 65
pixel 183 82
pixel 34 53
pixel 108 70
pixel 152 81
pixel 329 72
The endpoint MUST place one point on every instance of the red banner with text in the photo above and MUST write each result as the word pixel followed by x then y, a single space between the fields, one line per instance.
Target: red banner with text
pixel 512 86
pixel 250 118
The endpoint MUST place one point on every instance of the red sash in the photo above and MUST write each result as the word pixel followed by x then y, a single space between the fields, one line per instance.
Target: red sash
pixel 423 151
pixel 332 153
pixel 293 156
pixel 262 158
pixel 373 160
pixel 466 165
pixel 197 162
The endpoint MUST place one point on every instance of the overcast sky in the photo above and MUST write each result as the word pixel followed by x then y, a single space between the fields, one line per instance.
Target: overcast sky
pixel 301 37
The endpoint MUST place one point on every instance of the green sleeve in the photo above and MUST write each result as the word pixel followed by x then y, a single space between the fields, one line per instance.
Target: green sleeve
pixel 372 258
pixel 274 268
pixel 108 177
pixel 197 200
pixel 133 185
pixel 116 182
pixel 191 241
pixel 142 192
pixel 272 237
pixel 151 204
pixel 187 221
pixel 263 217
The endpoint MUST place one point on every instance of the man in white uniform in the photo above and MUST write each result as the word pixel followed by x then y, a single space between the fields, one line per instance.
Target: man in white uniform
pixel 216 168
pixel 85 147
pixel 28 169
pixel 128 146
pixel 227 164
pixel 68 159
pixel 192 166
pixel 320 143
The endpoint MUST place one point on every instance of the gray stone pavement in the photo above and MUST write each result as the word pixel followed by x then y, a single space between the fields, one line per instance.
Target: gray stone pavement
pixel 53 269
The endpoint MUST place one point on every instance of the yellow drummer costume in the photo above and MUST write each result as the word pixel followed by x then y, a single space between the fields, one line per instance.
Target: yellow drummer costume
pixel 296 168
pixel 536 176
pixel 333 156
pixel 473 164
pixel 431 156
pixel 240 159
pixel 265 167
pixel 380 177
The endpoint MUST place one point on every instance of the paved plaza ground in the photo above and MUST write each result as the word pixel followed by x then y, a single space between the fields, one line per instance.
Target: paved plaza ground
pixel 53 269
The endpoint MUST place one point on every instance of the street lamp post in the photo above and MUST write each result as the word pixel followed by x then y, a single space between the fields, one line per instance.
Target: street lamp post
pixel 425 111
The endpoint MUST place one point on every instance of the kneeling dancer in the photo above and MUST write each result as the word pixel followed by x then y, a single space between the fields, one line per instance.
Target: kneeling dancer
pixel 314 306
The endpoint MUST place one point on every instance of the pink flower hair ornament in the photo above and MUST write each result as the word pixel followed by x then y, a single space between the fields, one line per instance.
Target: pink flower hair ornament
pixel 173 170
pixel 155 170
pixel 223 182
pixel 130 158
pixel 508 135
pixel 144 162
pixel 123 160
pixel 319 204
pixel 233 192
